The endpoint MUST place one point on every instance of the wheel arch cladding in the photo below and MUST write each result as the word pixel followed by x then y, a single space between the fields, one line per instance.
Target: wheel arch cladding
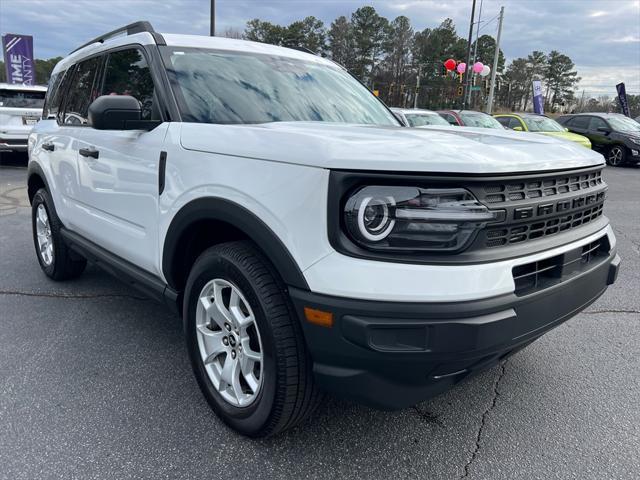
pixel 36 180
pixel 223 221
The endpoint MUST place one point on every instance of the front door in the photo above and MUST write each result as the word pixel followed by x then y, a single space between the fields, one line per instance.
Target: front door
pixel 118 169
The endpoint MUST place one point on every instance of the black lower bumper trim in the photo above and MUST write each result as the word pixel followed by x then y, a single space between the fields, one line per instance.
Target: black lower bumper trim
pixel 393 355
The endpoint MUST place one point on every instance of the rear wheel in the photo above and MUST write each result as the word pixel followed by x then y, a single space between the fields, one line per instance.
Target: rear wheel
pixel 246 347
pixel 616 155
pixel 55 258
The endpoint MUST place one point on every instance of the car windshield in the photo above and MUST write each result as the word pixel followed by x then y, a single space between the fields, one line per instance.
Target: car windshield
pixel 215 86
pixel 423 118
pixel 542 124
pixel 478 119
pixel 624 124
pixel 21 98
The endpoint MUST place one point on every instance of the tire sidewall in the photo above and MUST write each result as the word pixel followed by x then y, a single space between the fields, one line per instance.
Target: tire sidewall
pixel 251 419
pixel 622 158
pixel 42 198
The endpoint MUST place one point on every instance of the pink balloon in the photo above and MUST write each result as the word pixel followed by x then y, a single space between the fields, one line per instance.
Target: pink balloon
pixel 477 67
pixel 462 67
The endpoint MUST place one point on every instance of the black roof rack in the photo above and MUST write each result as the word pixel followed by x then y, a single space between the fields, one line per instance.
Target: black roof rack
pixel 131 29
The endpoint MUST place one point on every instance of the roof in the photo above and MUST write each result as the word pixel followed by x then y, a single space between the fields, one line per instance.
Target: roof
pixel 596 114
pixel 19 86
pixel 190 41
pixel 520 114
pixel 413 110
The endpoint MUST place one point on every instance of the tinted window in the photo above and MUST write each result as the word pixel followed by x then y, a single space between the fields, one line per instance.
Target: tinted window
pixel 578 122
pixel 127 73
pixel 449 118
pixel 504 121
pixel 54 95
pixel 596 123
pixel 82 92
pixel 21 98
pixel 236 88
pixel 514 122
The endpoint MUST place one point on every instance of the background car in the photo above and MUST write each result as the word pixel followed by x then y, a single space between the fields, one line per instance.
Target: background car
pixel 20 110
pixel 616 136
pixel 470 118
pixel 414 117
pixel 532 122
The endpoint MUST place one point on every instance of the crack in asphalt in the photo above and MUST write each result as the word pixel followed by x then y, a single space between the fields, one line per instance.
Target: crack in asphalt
pixel 483 420
pixel 593 312
pixel 71 295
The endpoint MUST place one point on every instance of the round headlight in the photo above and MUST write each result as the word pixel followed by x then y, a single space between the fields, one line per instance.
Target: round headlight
pixel 374 219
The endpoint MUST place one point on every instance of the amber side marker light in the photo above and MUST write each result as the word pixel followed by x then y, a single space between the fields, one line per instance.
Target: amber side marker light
pixel 318 317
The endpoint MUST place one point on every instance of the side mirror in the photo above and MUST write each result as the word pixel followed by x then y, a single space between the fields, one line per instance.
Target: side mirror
pixel 116 112
pixel 604 129
pixel 517 129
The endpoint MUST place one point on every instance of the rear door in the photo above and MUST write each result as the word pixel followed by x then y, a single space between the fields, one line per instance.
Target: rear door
pixel 118 170
pixel 600 138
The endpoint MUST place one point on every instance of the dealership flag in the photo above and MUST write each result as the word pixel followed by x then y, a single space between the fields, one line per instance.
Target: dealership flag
pixel 18 58
pixel 538 103
pixel 622 97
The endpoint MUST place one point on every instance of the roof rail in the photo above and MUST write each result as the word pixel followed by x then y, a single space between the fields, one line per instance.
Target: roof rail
pixel 131 29
pixel 300 48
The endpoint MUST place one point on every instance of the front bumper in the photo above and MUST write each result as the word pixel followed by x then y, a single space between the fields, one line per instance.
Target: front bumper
pixel 394 354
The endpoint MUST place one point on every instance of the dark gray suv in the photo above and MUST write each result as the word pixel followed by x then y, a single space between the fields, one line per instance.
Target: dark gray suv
pixel 616 136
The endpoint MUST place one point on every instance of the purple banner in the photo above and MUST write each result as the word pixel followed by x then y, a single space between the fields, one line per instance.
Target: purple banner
pixel 538 101
pixel 18 58
pixel 622 98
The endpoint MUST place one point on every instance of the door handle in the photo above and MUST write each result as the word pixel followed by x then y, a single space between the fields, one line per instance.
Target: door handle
pixel 48 146
pixel 89 152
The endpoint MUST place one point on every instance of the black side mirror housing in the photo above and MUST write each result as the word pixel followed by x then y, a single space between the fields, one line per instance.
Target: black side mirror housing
pixel 115 112
pixel 604 130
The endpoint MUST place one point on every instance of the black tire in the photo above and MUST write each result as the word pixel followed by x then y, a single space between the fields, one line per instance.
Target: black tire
pixel 65 264
pixel 616 155
pixel 288 393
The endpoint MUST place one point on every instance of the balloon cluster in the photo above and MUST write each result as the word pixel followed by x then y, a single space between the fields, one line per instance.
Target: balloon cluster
pixel 478 67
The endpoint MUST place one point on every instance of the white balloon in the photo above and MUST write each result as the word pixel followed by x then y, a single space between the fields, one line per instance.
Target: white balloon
pixel 485 71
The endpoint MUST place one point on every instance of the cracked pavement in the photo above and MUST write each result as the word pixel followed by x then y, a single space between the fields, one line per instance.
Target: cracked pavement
pixel 95 383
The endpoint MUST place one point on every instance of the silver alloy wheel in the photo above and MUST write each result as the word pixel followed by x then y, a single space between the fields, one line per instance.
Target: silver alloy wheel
pixel 229 342
pixel 43 233
pixel 615 156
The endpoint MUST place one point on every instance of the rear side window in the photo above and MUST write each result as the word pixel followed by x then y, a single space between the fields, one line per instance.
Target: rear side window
pixel 82 92
pixel 504 121
pixel 579 122
pixel 514 122
pixel 127 73
pixel 54 95
pixel 597 123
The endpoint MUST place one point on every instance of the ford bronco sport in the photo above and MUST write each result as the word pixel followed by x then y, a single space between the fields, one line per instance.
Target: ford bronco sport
pixel 309 242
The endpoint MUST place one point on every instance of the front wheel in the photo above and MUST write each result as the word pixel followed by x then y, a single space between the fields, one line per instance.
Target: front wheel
pixel 246 347
pixel 55 258
pixel 616 155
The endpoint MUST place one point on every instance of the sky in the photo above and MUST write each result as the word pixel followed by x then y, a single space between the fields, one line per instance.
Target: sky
pixel 602 37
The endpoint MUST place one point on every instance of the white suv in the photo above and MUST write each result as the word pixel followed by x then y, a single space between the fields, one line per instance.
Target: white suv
pixel 309 241
pixel 20 109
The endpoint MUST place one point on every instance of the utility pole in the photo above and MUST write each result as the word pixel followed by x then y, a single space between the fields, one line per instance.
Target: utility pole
pixel 496 56
pixel 469 70
pixel 415 98
pixel 212 25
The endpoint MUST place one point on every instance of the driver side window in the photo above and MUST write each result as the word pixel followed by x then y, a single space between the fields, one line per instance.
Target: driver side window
pixel 597 123
pixel 127 73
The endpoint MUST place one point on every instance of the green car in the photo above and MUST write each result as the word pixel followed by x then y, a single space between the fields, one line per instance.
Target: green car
pixel 532 122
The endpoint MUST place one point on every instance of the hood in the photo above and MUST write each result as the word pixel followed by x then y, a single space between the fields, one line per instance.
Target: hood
pixel 574 137
pixel 357 147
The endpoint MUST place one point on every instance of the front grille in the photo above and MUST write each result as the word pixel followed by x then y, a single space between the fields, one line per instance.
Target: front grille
pixel 535 276
pixel 537 229
pixel 514 191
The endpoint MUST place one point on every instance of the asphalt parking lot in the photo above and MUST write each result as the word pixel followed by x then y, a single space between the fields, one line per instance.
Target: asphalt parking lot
pixel 95 383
